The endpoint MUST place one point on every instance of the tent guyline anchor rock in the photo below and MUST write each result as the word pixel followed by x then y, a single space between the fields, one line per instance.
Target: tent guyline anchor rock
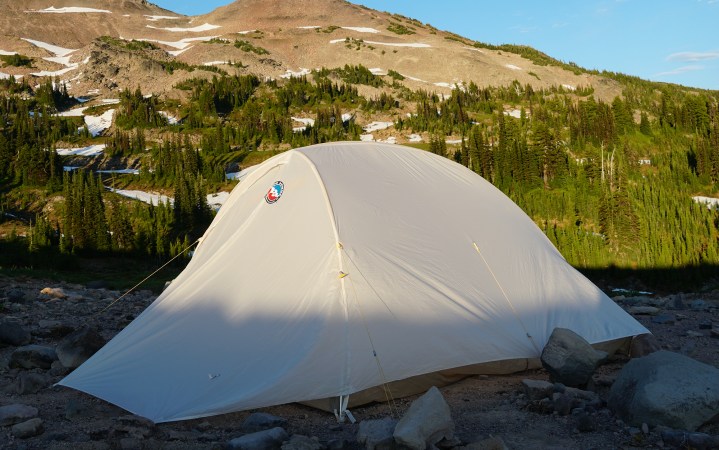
pixel 406 225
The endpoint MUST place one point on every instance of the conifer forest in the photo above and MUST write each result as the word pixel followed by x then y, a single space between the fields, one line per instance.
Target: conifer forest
pixel 611 184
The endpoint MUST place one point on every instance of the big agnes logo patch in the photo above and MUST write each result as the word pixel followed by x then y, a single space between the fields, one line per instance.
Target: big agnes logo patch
pixel 275 192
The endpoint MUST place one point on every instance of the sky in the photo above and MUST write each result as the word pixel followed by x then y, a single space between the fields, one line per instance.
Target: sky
pixel 674 41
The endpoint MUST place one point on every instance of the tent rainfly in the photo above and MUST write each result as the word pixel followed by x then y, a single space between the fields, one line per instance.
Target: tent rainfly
pixel 338 269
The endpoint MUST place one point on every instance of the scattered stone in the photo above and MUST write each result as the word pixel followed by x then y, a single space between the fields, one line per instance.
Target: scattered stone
pixel 31 383
pixel 644 310
pixel 569 358
pixel 715 332
pixel 54 328
pixel 676 302
pixel 376 433
pixel 78 346
pixel 16 295
pixel 33 356
pixel 645 428
pixel 261 440
pixel 29 428
pixel 691 333
pixel 262 421
pixel 705 324
pixel 684 439
pixel 427 421
pixel 58 370
pixel 643 345
pixel 563 404
pixel 536 390
pixel 338 444
pixel 492 443
pixel 300 442
pixel 663 319
pixel 130 443
pixel 585 423
pixel 16 413
pixel 698 305
pixel 75 410
pixel 49 292
pixel 668 389
pixel 681 317
pixel 12 333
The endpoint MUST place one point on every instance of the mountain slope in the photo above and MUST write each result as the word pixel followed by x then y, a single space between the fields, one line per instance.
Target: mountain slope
pixel 271 38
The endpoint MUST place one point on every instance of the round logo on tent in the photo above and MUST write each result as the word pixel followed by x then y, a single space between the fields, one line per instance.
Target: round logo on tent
pixel 275 192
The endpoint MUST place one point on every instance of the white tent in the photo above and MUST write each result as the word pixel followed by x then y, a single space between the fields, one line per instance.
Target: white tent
pixel 336 268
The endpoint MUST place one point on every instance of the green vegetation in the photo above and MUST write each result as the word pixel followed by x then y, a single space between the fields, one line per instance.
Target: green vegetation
pixel 246 46
pixel 16 60
pixel 398 28
pixel 328 29
pixel 609 182
pixel 132 45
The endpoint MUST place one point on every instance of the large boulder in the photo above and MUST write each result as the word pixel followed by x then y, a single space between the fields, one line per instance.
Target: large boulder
pixel 32 357
pixel 668 389
pixel 262 440
pixel 29 428
pixel 426 422
pixel 31 383
pixel 12 333
pixel 16 413
pixel 377 434
pixel 643 345
pixel 78 346
pixel 569 358
pixel 262 421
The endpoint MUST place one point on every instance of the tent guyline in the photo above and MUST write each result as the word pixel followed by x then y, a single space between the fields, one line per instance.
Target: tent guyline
pixel 394 411
pixel 504 294
pixel 148 277
pixel 309 321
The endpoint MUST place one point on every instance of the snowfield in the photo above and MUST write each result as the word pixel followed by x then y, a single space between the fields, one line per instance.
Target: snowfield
pixel 197 29
pixel 97 124
pixel 69 9
pixel 77 112
pixel 56 50
pixel 182 44
pixel 361 29
pixel 171 120
pixel 291 74
pixel 156 18
pixel 152 198
pixel 512 66
pixel 711 202
pixel 376 126
pixel 90 150
pixel 6 53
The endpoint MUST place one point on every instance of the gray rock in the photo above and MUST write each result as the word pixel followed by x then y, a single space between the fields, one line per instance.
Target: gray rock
pixel 376 433
pixel 585 423
pixel 33 356
pixel 666 389
pixel 705 324
pixel 338 444
pixel 29 428
pixel 31 383
pixel 536 390
pixel 663 319
pixel 54 328
pixel 698 305
pixel 569 358
pixel 683 439
pixel 262 421
pixel 644 310
pixel 78 346
pixel 15 295
pixel 695 334
pixel 130 443
pixel 643 345
pixel 299 442
pixel 493 443
pixel 563 403
pixel 12 333
pixel 75 410
pixel 16 413
pixel 427 421
pixel 262 440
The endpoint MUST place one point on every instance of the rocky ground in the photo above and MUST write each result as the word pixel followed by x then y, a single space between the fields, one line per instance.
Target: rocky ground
pixel 44 314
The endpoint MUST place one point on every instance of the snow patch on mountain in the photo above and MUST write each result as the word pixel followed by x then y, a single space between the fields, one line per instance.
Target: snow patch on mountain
pixel 69 9
pixel 182 44
pixel 90 150
pixel 389 44
pixel 291 74
pixel 376 126
pixel 361 29
pixel 156 18
pixel 512 66
pixel 6 53
pixel 97 124
pixel 197 29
